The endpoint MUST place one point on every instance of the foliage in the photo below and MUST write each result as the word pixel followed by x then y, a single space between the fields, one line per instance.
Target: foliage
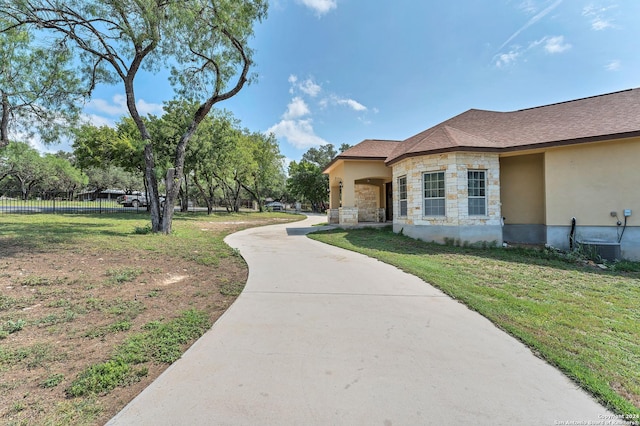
pixel 320 156
pixel 100 179
pixel 123 275
pixel 23 168
pixel 38 89
pixel 103 378
pixel 111 158
pixel 11 327
pixel 266 176
pixel 306 181
pixel 205 45
pixel 160 343
pixel 52 381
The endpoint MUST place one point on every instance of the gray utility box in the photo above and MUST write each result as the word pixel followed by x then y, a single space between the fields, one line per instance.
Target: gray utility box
pixel 604 249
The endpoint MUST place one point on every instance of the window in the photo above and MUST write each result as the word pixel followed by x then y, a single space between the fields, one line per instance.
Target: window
pixel 402 191
pixel 477 192
pixel 434 194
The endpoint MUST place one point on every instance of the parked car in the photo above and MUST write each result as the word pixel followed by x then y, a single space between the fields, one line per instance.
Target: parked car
pixel 137 199
pixel 275 206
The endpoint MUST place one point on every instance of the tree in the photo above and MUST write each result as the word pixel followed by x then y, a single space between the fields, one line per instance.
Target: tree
pixel 320 156
pixel 38 90
pixel 266 174
pixel 107 157
pixel 24 166
pixel 61 175
pixel 99 179
pixel 209 156
pixel 94 146
pixel 306 182
pixel 205 43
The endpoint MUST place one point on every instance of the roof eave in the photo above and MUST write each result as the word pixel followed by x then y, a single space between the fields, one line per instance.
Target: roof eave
pixel 329 166
pixel 541 145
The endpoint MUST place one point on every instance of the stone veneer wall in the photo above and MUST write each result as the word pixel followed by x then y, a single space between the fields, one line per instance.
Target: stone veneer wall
pixel 367 197
pixel 333 215
pixel 456 224
pixel 348 215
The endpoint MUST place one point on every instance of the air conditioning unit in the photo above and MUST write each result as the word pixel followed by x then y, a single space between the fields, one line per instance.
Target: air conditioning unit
pixel 604 249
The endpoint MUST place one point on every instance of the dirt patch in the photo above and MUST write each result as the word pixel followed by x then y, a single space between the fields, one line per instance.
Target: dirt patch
pixel 61 312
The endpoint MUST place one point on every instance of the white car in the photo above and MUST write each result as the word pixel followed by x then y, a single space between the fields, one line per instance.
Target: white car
pixel 275 206
pixel 136 200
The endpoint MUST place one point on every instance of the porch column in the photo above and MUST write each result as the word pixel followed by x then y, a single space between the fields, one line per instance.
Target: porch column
pixel 348 210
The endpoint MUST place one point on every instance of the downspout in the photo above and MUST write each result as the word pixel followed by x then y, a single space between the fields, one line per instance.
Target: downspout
pixel 572 234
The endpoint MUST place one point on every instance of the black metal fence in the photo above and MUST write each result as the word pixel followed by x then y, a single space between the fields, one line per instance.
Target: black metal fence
pixel 60 202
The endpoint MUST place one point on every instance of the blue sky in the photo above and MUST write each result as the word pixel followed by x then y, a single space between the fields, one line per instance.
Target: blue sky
pixel 340 71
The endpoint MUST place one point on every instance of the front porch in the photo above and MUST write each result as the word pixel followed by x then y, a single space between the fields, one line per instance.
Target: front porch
pixel 360 201
pixel 360 184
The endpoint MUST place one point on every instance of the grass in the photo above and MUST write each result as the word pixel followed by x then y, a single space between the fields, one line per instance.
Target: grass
pixel 97 306
pixel 581 319
pixel 161 342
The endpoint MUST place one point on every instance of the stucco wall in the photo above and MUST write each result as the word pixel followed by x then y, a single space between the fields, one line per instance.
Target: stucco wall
pixel 590 181
pixel 456 224
pixel 355 170
pixel 522 189
pixel 335 177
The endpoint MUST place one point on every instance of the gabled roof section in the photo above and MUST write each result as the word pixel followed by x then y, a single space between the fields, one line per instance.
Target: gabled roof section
pixel 368 149
pixel 614 115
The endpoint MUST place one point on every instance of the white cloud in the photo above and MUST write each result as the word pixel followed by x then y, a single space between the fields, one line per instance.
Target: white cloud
pixel 310 87
pixel 299 133
pixel 296 108
pixel 551 44
pixel 354 105
pixel 320 6
pixel 556 44
pixel 532 21
pixel 98 121
pixel 597 16
pixel 296 125
pixel 599 24
pixel 118 106
pixel 613 65
pixel 337 100
pixel 505 59
pixel 529 6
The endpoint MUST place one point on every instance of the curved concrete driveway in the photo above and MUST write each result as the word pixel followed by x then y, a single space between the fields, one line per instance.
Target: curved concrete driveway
pixel 323 336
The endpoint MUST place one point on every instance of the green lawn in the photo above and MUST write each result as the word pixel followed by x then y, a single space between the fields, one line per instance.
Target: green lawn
pixel 584 320
pixel 94 307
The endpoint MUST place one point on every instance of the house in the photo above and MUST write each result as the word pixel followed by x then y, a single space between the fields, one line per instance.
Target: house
pixel 105 194
pixel 559 174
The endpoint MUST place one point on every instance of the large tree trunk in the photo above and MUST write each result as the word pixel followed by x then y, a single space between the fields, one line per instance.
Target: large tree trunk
pixel 4 121
pixel 152 189
pixel 173 186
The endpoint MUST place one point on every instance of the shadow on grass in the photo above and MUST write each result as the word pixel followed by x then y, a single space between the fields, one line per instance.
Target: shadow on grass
pixel 36 234
pixel 384 239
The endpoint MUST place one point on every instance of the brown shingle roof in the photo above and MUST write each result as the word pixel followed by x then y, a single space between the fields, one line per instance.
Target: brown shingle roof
pixel 582 120
pixel 368 149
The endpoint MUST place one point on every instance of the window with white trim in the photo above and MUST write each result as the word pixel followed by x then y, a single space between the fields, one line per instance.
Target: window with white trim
pixel 434 194
pixel 477 184
pixel 402 195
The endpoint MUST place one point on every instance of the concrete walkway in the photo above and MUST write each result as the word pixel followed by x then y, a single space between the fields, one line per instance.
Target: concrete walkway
pixel 323 336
